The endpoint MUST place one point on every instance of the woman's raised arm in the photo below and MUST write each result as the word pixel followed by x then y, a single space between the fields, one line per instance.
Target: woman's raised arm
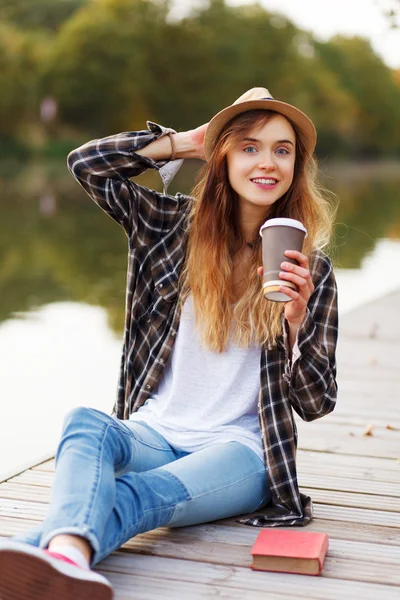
pixel 105 166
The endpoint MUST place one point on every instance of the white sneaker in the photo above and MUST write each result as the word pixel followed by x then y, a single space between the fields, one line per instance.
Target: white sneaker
pixel 30 573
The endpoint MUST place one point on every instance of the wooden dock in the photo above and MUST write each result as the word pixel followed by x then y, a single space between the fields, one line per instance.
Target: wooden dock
pixel 349 462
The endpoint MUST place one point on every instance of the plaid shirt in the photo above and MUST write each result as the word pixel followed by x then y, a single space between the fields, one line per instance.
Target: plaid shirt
pixel 156 226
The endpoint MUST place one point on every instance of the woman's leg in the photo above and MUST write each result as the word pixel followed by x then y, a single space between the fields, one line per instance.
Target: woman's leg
pixel 221 481
pixel 94 448
pixel 218 482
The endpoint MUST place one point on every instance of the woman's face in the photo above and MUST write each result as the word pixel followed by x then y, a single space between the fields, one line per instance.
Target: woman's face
pixel 261 165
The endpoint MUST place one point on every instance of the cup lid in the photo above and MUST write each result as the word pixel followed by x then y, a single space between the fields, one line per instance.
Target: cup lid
pixel 283 221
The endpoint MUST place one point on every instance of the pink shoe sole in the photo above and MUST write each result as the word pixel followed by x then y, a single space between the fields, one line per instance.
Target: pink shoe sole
pixel 28 573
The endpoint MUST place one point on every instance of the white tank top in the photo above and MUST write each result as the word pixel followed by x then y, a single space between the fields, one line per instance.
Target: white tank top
pixel 205 397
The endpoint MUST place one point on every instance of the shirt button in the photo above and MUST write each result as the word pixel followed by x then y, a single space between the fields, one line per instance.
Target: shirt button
pixel 148 387
pixel 160 285
pixel 262 436
pixel 173 333
pixel 162 361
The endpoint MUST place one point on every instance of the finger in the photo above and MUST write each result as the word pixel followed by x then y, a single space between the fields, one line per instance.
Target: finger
pixel 301 283
pixel 301 271
pixel 293 295
pixel 301 258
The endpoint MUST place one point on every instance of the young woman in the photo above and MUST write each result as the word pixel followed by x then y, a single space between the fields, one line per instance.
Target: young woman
pixel 203 426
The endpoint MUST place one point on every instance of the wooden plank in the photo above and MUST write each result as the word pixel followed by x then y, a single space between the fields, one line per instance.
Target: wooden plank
pixel 354 570
pixel 367 406
pixel 18 491
pixel 370 388
pixel 237 533
pixel 127 587
pixel 360 486
pixel 370 477
pixel 352 566
pixel 168 543
pixel 10 526
pixel 358 515
pixel 361 551
pixel 22 509
pixel 361 532
pixel 368 463
pixel 231 549
pixel 363 446
pixel 366 373
pixel 245 579
pixel 328 427
pixel 343 416
pixel 34 478
pixel 242 535
pixel 225 583
pixel 350 499
pixel 138 587
pixel 49 465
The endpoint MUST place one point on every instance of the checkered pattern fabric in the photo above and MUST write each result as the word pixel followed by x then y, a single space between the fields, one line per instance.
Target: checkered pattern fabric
pixel 156 226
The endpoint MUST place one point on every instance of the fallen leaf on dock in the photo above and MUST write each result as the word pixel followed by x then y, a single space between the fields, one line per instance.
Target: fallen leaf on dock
pixel 369 429
pixel 392 428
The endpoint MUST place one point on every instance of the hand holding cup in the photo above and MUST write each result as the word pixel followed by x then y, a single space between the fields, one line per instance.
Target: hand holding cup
pixel 278 236
pixel 285 271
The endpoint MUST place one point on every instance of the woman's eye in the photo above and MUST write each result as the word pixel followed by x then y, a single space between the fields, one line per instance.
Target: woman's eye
pixel 282 151
pixel 250 149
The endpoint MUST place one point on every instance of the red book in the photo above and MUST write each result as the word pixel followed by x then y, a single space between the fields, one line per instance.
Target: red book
pixel 289 551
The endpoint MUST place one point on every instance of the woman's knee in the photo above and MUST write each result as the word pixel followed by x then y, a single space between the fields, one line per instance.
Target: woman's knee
pixel 81 416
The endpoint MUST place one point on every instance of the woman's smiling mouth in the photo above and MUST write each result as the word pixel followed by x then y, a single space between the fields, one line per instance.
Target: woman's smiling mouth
pixel 265 182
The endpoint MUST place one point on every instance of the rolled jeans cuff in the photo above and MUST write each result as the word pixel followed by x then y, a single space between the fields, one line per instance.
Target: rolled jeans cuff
pixel 83 532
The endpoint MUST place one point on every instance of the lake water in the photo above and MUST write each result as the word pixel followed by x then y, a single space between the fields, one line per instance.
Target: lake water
pixel 62 284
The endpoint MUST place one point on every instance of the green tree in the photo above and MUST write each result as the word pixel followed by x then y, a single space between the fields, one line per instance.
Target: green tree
pixel 372 86
pixel 97 69
pixel 21 56
pixel 32 14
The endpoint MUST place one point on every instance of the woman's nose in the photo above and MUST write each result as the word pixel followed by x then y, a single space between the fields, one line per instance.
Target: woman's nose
pixel 267 161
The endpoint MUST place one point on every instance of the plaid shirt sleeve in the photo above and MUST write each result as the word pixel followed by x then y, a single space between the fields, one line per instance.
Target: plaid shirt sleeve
pixel 311 375
pixel 306 384
pixel 104 167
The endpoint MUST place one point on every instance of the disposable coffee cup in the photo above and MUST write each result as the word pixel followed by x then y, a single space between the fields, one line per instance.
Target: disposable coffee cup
pixel 279 235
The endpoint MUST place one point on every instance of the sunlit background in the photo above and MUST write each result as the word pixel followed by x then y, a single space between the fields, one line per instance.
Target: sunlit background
pixel 72 70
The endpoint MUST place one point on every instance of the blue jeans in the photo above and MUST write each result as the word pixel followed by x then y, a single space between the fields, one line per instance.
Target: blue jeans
pixel 115 479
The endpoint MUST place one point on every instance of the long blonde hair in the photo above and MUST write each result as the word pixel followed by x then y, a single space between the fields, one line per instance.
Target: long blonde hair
pixel 215 235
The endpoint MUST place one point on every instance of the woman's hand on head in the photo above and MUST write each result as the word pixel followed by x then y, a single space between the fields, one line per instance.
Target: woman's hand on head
pixel 197 137
pixel 190 144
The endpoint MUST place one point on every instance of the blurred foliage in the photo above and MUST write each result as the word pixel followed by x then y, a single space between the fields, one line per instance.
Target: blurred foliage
pixel 112 64
pixel 360 72
pixel 46 14
pixel 391 10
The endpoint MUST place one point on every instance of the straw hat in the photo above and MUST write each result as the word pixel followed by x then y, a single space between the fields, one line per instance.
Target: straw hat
pixel 259 98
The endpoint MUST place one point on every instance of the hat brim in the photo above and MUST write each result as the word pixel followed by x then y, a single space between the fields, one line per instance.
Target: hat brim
pixel 298 118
